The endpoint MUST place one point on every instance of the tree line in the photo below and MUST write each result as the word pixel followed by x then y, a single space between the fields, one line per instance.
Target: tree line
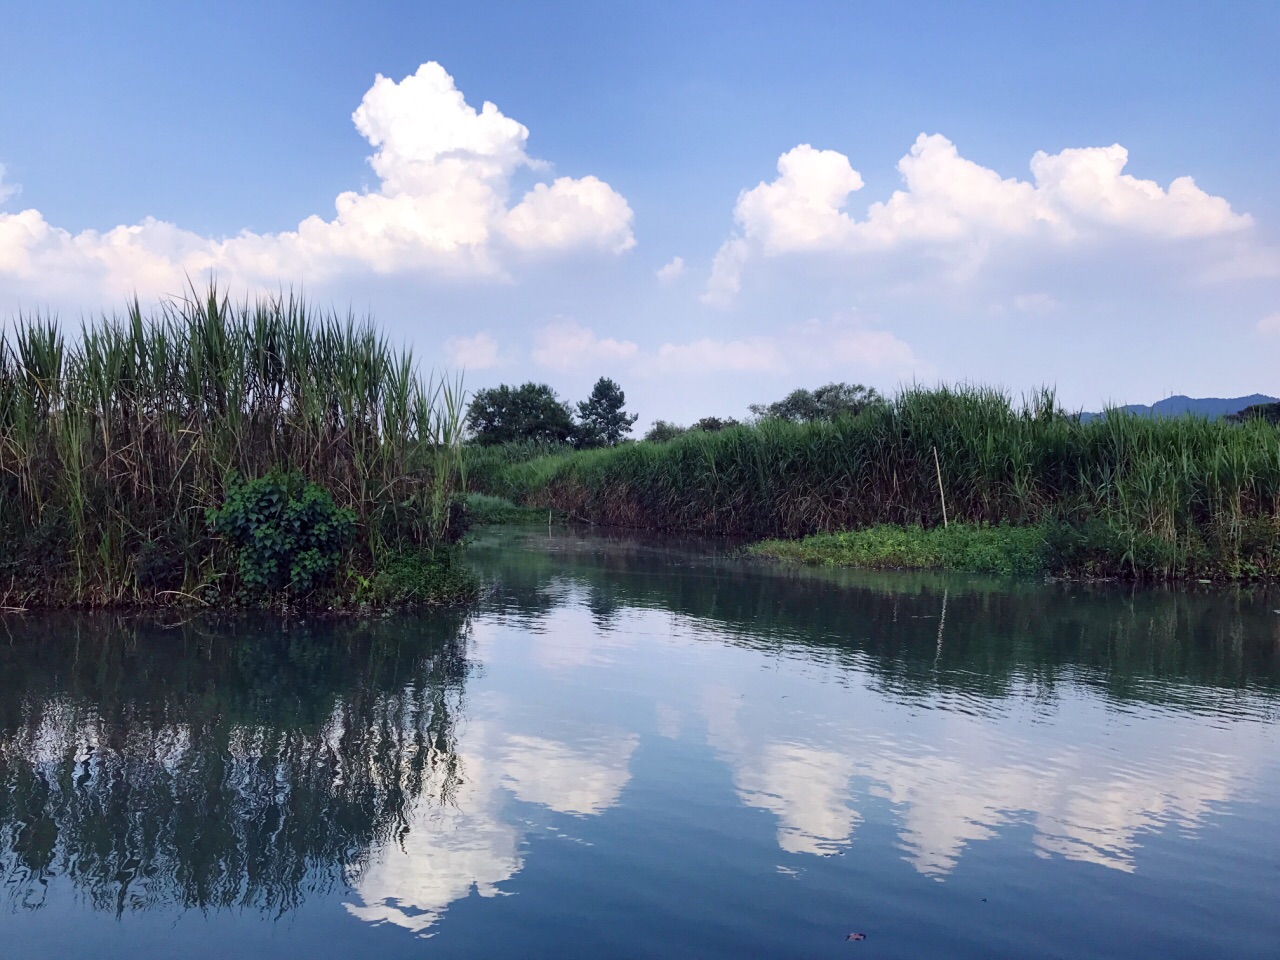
pixel 532 412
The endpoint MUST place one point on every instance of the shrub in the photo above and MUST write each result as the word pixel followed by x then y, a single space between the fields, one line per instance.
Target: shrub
pixel 423 576
pixel 662 431
pixel 289 533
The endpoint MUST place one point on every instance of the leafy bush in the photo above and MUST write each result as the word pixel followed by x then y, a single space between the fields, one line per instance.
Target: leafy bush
pixel 289 532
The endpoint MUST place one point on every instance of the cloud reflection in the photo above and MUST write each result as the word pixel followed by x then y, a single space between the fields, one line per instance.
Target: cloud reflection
pixel 471 843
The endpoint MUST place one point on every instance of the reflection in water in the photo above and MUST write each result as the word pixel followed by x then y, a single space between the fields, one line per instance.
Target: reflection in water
pixel 399 767
pixel 468 843
pixel 1019 647
pixel 215 767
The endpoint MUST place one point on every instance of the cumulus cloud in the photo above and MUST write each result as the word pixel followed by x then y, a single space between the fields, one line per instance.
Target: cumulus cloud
pixel 441 207
pixel 670 272
pixel 478 352
pixel 566 345
pixel 959 210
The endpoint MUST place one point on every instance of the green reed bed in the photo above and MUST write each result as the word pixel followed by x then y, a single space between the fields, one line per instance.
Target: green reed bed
pixel 1120 495
pixel 119 439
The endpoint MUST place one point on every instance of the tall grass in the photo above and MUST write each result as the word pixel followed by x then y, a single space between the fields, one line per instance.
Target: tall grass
pixel 113 442
pixel 1147 496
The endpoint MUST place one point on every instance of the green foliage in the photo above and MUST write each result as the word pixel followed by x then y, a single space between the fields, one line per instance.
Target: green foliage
pixel 484 509
pixel 714 424
pixel 422 577
pixel 824 404
pixel 528 413
pixel 967 547
pixel 113 444
pixel 603 422
pixel 289 534
pixel 663 431
pixel 1134 496
pixel 1270 412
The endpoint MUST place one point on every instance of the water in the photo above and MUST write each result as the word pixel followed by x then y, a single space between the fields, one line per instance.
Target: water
pixel 650 749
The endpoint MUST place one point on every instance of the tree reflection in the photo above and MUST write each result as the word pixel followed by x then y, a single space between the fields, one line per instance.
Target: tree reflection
pixel 217 766
pixel 998 635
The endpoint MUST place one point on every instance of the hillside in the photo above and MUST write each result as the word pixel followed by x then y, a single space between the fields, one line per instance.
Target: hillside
pixel 1211 407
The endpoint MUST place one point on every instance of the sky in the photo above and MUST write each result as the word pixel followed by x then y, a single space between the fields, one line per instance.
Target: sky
pixel 712 203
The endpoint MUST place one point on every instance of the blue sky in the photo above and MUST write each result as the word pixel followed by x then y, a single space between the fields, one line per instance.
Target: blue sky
pixel 656 132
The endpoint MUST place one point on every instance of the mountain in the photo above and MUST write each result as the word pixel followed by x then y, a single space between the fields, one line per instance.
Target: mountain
pixel 1200 406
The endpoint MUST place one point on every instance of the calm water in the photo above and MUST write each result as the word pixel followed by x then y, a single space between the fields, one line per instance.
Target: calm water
pixel 638 749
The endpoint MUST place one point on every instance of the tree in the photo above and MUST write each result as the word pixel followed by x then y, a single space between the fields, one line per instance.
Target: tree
pixel 603 422
pixel 714 424
pixel 825 403
pixel 509 414
pixel 1269 412
pixel 662 431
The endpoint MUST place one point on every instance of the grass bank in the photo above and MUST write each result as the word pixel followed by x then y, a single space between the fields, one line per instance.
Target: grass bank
pixel 1020 551
pixel 215 452
pixel 485 510
pixel 1122 495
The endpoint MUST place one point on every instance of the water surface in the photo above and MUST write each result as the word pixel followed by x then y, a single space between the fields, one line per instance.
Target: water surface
pixel 642 748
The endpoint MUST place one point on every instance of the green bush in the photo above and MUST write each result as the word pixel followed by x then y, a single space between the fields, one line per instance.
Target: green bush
pixel 288 532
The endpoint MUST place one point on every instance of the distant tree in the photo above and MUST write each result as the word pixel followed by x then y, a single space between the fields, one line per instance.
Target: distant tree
pixel 714 424
pixel 602 421
pixel 529 412
pixel 1269 412
pixel 825 403
pixel 662 431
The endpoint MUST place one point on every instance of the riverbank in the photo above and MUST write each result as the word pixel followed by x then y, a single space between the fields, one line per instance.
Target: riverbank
pixel 212 453
pixel 1119 496
pixel 1009 551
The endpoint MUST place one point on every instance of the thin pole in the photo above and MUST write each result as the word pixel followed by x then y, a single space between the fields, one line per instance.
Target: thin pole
pixel 941 496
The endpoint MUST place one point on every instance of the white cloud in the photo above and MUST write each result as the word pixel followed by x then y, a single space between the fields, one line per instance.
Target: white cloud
pixel 670 272
pixel 571 213
pixel 726 272
pixel 440 207
pixel 1269 326
pixel 958 210
pixel 578 780
pixel 7 190
pixel 478 352
pixel 566 345
pixel 842 346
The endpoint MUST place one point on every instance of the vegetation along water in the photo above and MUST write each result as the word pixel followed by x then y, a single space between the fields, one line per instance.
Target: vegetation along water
pixel 1117 495
pixel 218 452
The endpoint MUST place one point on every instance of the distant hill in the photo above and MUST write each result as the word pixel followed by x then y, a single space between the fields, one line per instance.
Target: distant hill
pixel 1211 407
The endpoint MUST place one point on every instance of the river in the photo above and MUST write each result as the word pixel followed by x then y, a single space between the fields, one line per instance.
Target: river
pixel 651 748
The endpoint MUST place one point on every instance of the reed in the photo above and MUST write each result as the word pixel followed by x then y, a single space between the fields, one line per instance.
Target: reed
pixel 1123 494
pixel 115 441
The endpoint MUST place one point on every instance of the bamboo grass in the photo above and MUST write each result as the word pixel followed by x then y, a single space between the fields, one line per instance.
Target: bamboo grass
pixel 1131 495
pixel 113 443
